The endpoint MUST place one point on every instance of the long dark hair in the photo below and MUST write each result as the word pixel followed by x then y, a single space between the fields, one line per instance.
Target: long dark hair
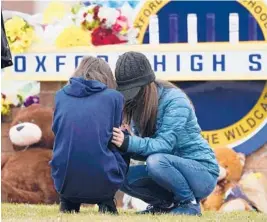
pixel 143 108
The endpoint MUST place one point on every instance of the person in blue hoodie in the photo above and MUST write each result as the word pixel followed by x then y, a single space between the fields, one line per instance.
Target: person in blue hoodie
pixel 181 168
pixel 86 166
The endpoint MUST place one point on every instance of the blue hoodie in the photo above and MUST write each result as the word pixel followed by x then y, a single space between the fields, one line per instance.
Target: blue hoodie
pixel 85 166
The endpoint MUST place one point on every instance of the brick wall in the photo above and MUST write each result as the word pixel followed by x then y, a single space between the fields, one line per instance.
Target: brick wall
pixel 47 93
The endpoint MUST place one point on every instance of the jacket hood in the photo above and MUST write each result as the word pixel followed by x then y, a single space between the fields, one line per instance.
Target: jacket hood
pixel 79 87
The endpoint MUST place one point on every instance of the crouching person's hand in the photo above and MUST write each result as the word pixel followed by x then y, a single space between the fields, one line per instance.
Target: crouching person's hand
pixel 118 137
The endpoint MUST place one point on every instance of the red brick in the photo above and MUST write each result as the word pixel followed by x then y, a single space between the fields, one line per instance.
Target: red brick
pixel 63 84
pixel 47 99
pixel 50 87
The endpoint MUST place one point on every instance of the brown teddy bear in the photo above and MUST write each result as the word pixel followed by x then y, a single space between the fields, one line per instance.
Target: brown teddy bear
pixel 26 174
pixel 231 169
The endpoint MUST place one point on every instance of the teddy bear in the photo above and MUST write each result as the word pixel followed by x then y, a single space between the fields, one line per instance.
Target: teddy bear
pixel 225 196
pixel 26 174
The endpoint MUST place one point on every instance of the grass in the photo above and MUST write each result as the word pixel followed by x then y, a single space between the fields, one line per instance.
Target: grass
pixel 21 212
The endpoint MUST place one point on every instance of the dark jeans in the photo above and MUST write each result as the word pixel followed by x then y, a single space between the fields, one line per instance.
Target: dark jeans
pixel 169 178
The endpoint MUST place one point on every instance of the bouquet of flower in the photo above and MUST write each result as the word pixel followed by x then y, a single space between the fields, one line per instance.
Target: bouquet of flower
pixel 107 25
pixel 21 32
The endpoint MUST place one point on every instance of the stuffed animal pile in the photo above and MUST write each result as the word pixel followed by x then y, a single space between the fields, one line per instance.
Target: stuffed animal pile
pixel 26 174
pixel 235 192
pixel 231 168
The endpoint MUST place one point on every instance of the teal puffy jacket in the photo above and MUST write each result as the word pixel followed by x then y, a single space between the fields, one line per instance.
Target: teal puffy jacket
pixel 177 132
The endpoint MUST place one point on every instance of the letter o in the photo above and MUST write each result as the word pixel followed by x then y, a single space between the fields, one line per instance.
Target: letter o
pixel 258 7
pixel 263 17
pixel 147 12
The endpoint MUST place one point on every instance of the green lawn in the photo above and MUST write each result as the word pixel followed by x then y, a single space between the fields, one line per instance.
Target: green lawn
pixel 13 212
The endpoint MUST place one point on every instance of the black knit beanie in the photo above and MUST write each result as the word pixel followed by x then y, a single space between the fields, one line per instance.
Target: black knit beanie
pixel 133 71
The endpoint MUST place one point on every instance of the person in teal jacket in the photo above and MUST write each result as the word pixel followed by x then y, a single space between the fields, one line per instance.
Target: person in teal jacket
pixel 181 168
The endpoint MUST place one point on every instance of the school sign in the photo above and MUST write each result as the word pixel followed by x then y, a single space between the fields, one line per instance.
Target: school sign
pixel 173 62
pixel 226 82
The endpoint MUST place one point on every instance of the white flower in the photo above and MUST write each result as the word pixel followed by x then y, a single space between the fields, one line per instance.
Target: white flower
pixel 127 11
pixel 80 16
pixel 67 21
pixel 89 18
pixel 51 32
pixel 110 14
pixel 13 98
pixel 131 35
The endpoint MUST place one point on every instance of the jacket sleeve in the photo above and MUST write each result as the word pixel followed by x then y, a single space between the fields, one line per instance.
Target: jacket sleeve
pixel 119 103
pixel 174 119
pixel 119 111
pixel 6 57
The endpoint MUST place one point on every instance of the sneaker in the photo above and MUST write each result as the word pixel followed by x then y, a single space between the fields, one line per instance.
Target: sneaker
pixel 157 209
pixel 108 207
pixel 187 209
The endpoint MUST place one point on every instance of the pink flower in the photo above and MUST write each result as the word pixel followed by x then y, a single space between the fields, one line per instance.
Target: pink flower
pixel 116 28
pixel 122 18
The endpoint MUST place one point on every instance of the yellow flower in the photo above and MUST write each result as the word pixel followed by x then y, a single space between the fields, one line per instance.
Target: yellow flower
pixel 73 36
pixel 15 23
pixel 17 47
pixel 5 107
pixel 55 10
pixel 123 31
pixel 19 34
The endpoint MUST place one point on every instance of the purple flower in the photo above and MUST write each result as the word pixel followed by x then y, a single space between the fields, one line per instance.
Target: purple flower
pixel 31 100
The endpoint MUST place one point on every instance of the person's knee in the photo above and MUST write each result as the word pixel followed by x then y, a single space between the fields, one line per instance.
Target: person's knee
pixel 155 163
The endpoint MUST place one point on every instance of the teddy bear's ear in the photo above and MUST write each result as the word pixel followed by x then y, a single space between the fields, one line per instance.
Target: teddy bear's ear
pixel 242 158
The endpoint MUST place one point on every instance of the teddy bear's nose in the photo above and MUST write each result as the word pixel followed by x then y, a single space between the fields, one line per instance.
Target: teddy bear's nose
pixel 19 128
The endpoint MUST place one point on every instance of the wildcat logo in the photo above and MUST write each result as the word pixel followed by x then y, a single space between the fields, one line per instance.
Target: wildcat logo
pixel 243 134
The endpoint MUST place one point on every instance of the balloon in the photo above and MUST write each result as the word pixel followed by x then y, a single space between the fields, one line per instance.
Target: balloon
pixel 133 4
pixel 112 4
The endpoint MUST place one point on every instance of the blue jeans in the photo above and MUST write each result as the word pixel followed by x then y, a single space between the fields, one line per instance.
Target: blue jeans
pixel 169 178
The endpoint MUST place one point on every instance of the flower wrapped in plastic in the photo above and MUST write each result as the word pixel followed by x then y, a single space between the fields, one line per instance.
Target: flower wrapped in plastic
pixel 21 32
pixel 116 27
pixel 73 36
pixel 93 24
